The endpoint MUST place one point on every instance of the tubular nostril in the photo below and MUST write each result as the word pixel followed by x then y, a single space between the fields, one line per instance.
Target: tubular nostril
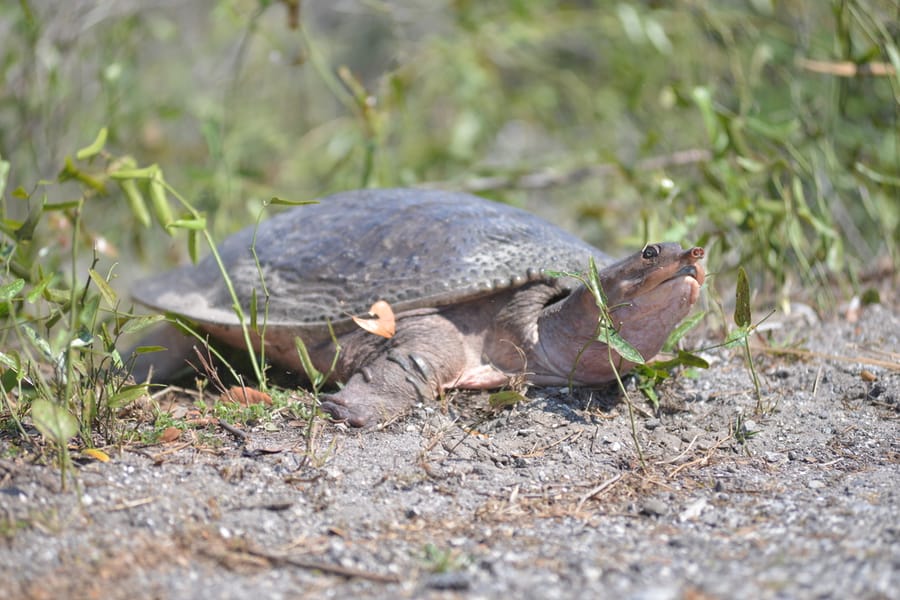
pixel 697 252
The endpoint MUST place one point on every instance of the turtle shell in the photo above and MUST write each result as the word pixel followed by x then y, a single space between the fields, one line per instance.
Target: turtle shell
pixel 323 262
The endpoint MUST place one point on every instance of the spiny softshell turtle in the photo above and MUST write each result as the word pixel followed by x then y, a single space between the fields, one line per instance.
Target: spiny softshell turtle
pixel 466 278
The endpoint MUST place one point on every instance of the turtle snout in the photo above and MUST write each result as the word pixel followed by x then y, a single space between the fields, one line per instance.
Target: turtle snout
pixel 693 268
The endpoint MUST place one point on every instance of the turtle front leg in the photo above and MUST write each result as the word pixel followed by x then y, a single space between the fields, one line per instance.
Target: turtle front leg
pixel 389 376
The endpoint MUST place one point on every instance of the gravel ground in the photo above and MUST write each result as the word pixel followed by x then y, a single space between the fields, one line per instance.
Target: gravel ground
pixel 545 500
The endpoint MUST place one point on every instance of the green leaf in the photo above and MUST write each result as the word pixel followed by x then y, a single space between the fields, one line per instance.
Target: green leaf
pixel 94 148
pixel 253 306
pixel 750 165
pixel 876 176
pixel 314 375
pixel 622 347
pixel 9 379
pixel 594 285
pixel 135 201
pixel 682 359
pixel 742 299
pixel 682 329
pixel 149 349
pixel 109 294
pixel 135 324
pixel 703 99
pixel 870 296
pixel 193 236
pixel 276 201
pixel 160 203
pixel 648 388
pixel 116 357
pixel 191 224
pixel 9 290
pixel 558 274
pixel 26 232
pixel 4 174
pixel 56 295
pixel 60 206
pixel 53 421
pixel 505 398
pixel 11 361
pixel 38 343
pixel 127 395
pixel 70 171
pixel 653 372
pixel 87 312
pixel 143 173
pixel 689 359
pixel 779 132
pixel 736 336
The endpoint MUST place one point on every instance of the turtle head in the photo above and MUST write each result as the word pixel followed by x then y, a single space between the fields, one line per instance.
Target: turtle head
pixel 647 294
pixel 658 271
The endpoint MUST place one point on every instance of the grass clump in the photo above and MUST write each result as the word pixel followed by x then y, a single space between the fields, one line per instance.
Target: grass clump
pixel 63 366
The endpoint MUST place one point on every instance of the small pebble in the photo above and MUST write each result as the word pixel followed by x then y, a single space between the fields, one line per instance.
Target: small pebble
pixel 774 457
pixel 453 580
pixel 710 518
pixel 693 510
pixel 692 434
pixel 815 484
pixel 657 593
pixel 654 507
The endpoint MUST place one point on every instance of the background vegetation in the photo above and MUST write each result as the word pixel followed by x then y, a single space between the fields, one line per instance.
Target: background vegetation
pixel 766 131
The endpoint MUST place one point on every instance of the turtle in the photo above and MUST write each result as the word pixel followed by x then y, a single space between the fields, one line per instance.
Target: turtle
pixel 481 293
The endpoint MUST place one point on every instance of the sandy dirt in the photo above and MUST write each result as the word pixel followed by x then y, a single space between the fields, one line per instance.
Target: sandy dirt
pixel 544 500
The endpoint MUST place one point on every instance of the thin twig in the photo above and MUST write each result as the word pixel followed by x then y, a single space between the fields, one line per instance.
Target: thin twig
pixel 680 456
pixel 894 366
pixel 597 490
pixel 316 565
pixel 128 504
pixel 539 451
pixel 845 68
pixel 702 460
pixel 238 433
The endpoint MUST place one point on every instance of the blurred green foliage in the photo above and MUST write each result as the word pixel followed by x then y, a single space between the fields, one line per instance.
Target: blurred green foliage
pixel 795 173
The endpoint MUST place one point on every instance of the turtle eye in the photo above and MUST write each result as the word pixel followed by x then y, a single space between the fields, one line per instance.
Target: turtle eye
pixel 650 252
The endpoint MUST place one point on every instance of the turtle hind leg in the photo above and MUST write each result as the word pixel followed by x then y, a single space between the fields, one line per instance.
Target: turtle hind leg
pixel 425 355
